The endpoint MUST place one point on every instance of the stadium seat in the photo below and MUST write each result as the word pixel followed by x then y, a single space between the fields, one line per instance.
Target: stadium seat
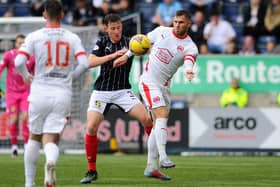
pixel 22 9
pixel 4 7
pixel 147 11
pixel 230 12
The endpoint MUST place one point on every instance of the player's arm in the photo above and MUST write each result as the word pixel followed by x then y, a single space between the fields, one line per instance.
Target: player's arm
pixel 82 66
pixel 189 61
pixel 21 67
pixel 4 62
pixel 95 60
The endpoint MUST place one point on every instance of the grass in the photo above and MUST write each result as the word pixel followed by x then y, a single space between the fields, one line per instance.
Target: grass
pixel 127 170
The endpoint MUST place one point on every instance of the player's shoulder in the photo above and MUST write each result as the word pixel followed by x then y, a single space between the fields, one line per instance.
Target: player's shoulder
pixel 191 45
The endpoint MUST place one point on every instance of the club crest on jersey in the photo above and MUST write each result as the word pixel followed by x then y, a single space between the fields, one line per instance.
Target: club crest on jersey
pixel 98 103
pixel 96 47
pixel 156 99
pixel 180 48
pixel 164 55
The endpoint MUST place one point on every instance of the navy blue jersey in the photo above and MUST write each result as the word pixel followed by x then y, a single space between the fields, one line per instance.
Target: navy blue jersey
pixel 112 78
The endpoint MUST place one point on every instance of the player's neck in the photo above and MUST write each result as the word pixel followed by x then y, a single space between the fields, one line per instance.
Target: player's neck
pixel 183 36
pixel 53 24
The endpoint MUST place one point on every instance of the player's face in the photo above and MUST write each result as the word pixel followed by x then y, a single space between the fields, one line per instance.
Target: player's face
pixel 181 25
pixel 114 30
pixel 18 43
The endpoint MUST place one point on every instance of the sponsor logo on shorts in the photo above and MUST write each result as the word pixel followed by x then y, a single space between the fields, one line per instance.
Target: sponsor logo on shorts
pixel 98 103
pixel 156 99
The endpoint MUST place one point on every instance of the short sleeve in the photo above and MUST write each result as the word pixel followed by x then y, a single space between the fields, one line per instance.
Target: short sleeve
pixel 97 49
pixel 27 48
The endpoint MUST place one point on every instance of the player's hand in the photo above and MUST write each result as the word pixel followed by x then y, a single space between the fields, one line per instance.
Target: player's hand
pixel 29 79
pixel 190 75
pixel 120 52
pixel 120 61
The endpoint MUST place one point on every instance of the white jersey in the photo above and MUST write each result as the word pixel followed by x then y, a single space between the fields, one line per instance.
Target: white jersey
pixel 55 50
pixel 168 53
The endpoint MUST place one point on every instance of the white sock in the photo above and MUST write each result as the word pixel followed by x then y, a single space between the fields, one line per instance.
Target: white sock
pixel 152 151
pixel 14 147
pixel 31 155
pixel 161 136
pixel 51 152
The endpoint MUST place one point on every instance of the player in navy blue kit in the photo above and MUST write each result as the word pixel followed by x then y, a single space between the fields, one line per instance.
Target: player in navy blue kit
pixel 111 87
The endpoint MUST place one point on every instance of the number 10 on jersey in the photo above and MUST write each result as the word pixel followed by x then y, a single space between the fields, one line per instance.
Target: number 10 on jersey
pixel 61 48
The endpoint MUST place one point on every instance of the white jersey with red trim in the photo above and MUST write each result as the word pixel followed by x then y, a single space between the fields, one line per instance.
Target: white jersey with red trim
pixel 168 53
pixel 55 50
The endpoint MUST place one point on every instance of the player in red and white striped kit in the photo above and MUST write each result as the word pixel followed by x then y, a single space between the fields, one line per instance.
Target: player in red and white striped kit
pixel 172 48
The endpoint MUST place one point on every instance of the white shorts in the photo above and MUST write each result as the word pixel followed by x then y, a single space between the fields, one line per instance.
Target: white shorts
pixel 101 101
pixel 47 114
pixel 153 94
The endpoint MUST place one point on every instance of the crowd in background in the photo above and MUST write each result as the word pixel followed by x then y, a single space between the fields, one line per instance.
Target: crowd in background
pixel 244 27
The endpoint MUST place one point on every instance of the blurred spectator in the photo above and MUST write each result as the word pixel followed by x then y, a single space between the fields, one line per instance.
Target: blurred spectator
pixel 272 19
pixel 235 96
pixel 201 5
pixel 123 6
pixel 83 14
pixel 248 46
pixel 203 49
pixel 218 33
pixel 231 48
pixel 270 46
pixel 101 12
pixel 97 3
pixel 165 12
pixel 254 19
pixel 124 9
pixel 37 7
pixel 196 30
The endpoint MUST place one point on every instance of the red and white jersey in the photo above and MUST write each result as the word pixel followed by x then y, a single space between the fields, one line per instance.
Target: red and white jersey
pixel 168 53
pixel 55 50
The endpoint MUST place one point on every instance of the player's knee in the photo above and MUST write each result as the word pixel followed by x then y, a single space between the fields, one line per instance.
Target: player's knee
pixel 13 118
pixel 92 129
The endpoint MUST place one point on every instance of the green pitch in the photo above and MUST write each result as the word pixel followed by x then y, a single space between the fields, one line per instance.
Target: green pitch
pixel 127 170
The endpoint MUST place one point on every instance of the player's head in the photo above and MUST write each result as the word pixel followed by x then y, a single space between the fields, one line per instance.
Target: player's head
pixel 53 10
pixel 113 26
pixel 19 40
pixel 181 22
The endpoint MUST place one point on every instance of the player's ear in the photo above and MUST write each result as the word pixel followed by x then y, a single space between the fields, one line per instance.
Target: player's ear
pixel 61 16
pixel 45 14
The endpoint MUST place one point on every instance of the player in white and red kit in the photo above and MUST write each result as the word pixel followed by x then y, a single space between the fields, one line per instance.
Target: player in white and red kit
pixel 55 51
pixel 16 95
pixel 172 47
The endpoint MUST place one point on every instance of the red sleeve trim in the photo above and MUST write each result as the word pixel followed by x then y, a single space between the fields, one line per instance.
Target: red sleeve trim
pixel 190 59
pixel 24 53
pixel 80 53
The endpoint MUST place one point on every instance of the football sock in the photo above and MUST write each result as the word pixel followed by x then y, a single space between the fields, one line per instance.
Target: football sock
pixel 13 128
pixel 51 152
pixel 152 151
pixel 24 131
pixel 31 156
pixel 148 130
pixel 91 145
pixel 161 136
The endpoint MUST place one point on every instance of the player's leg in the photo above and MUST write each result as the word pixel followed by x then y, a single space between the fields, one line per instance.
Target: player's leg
pixel 31 156
pixel 94 117
pixel 157 98
pixel 50 143
pixel 140 113
pixel 24 117
pixel 12 111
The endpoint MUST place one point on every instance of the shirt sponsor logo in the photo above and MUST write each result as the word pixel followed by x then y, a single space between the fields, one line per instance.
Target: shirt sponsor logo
pixel 164 55
pixel 180 48
pixel 156 99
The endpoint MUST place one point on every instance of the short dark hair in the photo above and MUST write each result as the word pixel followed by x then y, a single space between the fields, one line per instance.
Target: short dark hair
pixel 53 9
pixel 20 36
pixel 183 13
pixel 111 18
